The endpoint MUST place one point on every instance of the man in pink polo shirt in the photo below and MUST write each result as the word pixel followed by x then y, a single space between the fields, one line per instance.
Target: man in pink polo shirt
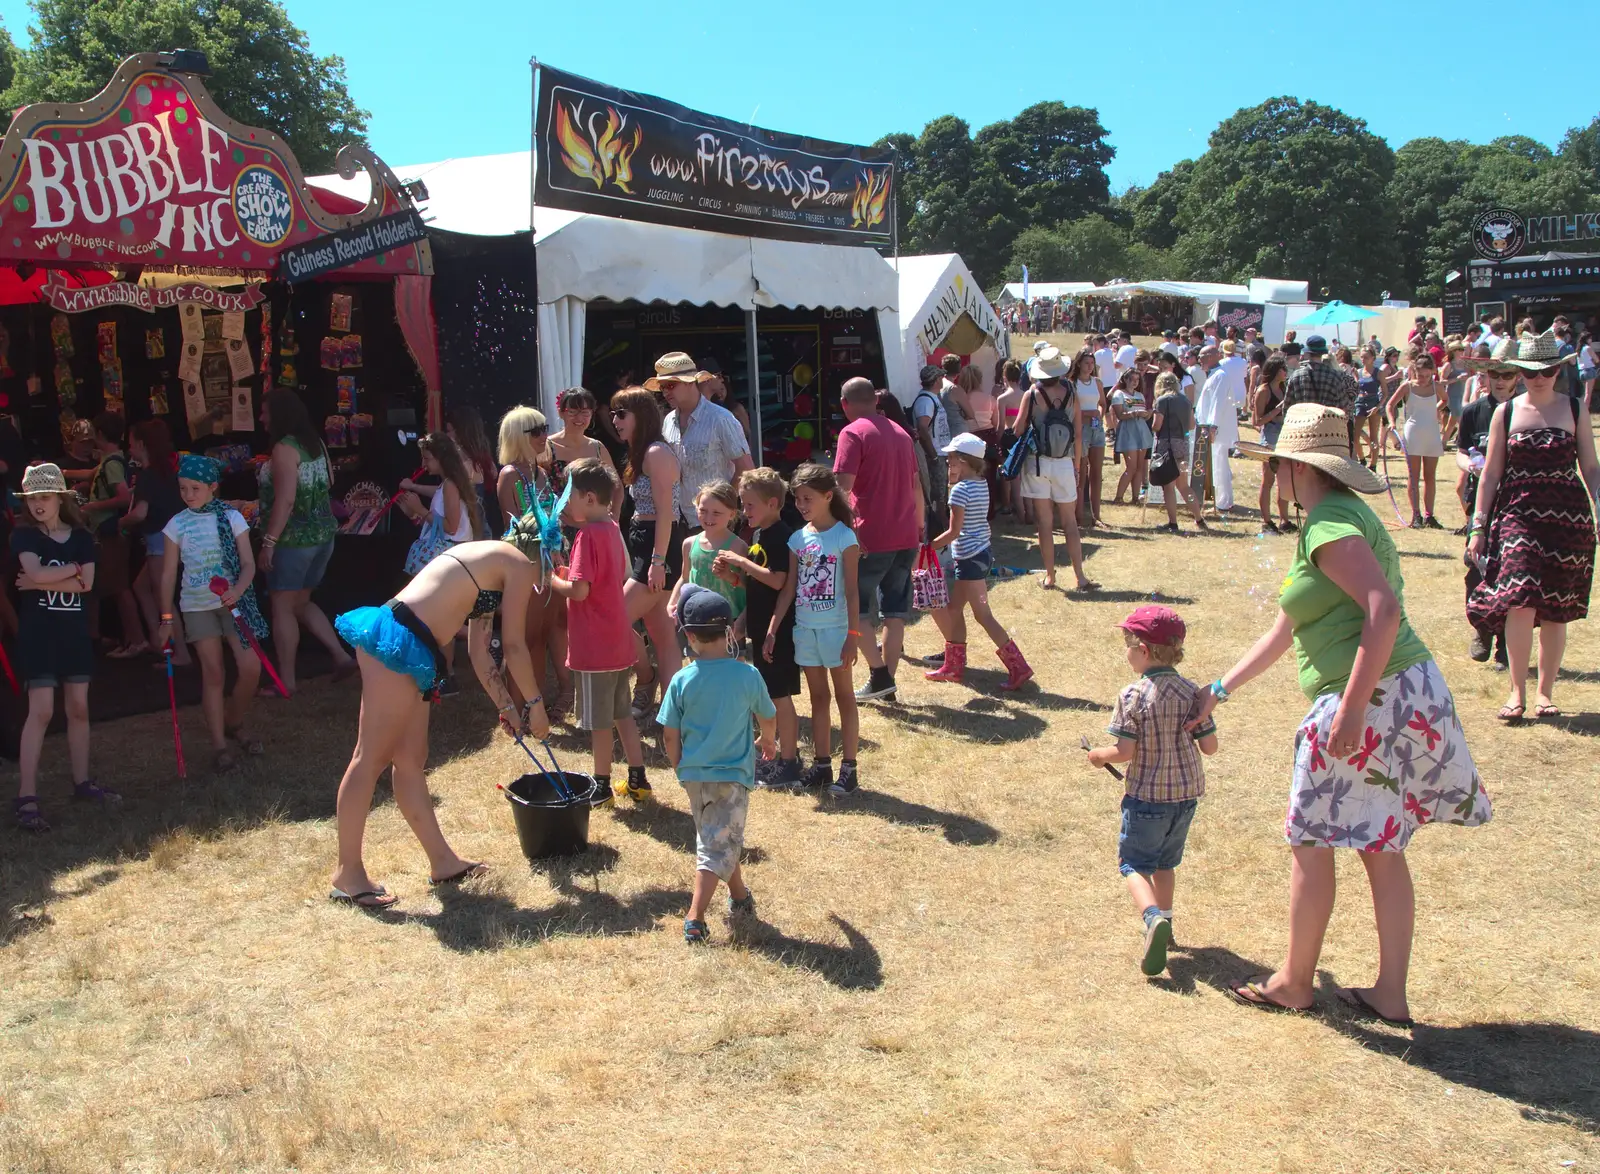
pixel 877 466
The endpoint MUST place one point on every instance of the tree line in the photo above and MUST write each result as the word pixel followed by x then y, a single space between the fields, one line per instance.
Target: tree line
pixel 1287 188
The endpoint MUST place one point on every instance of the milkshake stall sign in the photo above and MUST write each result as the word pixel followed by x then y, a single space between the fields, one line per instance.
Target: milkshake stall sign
pixel 618 153
pixel 151 172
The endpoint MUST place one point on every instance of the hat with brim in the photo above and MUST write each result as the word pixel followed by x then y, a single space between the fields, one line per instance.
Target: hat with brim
pixel 1048 364
pixel 1502 359
pixel 1537 352
pixel 676 367
pixel 1252 451
pixel 41 480
pixel 1319 436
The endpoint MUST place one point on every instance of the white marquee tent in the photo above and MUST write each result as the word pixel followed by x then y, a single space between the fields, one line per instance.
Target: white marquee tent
pixel 940 304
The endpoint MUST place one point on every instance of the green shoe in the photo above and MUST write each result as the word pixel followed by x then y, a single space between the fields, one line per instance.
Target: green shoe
pixel 1157 937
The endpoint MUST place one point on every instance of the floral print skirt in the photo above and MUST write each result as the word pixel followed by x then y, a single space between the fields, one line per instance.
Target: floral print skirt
pixel 1413 768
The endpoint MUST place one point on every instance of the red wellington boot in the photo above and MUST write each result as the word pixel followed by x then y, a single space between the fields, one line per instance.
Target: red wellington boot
pixel 955 664
pixel 1018 671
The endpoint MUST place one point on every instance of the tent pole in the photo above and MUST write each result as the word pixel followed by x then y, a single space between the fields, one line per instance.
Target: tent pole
pixel 533 233
pixel 753 378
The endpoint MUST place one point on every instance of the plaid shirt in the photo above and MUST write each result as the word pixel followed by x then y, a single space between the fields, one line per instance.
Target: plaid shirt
pixel 1318 381
pixel 1151 712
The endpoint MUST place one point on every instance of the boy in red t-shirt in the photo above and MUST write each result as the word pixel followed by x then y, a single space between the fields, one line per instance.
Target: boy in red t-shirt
pixel 600 642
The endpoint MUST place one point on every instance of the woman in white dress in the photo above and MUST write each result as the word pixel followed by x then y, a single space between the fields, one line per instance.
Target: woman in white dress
pixel 1422 439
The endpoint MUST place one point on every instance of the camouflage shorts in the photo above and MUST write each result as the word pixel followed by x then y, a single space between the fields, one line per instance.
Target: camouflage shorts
pixel 719 811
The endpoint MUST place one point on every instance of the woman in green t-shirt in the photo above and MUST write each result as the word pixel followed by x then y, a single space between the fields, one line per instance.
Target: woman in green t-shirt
pixel 1367 772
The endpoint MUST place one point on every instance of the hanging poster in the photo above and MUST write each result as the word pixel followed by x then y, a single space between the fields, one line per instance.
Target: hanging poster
pixel 66 385
pixel 339 313
pixel 194 407
pixel 155 344
pixel 111 380
pixel 189 361
pixel 239 364
pixel 158 400
pixel 233 325
pixel 105 338
pixel 216 381
pixel 61 336
pixel 191 318
pixel 243 418
pixel 618 153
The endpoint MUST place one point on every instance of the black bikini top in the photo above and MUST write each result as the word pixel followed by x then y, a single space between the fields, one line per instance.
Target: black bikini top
pixel 487 603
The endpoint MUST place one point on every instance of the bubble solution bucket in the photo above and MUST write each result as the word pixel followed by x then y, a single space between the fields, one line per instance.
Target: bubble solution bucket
pixel 548 823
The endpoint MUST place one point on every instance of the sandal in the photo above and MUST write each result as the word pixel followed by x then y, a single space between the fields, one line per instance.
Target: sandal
pixel 1252 994
pixel 129 651
pixel 1511 714
pixel 27 815
pixel 696 933
pixel 374 900
pixel 466 874
pixel 225 761
pixel 251 746
pixel 1546 709
pixel 90 791
pixel 1353 1000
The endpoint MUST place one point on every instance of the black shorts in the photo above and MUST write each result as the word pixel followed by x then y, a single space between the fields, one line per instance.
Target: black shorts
pixel 781 675
pixel 642 544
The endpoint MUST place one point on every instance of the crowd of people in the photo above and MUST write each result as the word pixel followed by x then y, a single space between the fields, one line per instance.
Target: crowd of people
pixel 628 544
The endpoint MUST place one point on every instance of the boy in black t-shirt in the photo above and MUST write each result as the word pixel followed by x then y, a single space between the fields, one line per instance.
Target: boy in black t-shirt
pixel 766 570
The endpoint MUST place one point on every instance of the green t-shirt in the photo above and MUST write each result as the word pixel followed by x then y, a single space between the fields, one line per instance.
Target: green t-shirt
pixel 1327 622
pixel 311 521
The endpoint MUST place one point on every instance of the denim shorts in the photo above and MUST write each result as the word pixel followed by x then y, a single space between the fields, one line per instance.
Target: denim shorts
pixel 155 545
pixel 1153 834
pixel 819 647
pixel 885 575
pixel 1094 432
pixel 299 568
pixel 968 570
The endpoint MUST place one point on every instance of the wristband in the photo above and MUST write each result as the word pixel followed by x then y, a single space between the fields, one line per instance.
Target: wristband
pixel 269 540
pixel 854 633
pixel 166 617
pixel 658 558
pixel 1218 691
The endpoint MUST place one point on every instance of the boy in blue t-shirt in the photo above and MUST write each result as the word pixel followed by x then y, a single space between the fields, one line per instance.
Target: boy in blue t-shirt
pixel 705 723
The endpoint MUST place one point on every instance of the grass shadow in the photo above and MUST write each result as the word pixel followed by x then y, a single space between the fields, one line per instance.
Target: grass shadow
pixel 957 829
pixel 1213 966
pixel 982 720
pixel 474 922
pixel 1430 554
pixel 1103 595
pixel 1586 724
pixel 852 967
pixel 666 825
pixel 1589 676
pixel 1551 1069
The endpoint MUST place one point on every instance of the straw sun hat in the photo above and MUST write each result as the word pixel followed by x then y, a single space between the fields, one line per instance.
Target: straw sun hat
pixel 678 366
pixel 1538 352
pixel 42 479
pixel 1319 436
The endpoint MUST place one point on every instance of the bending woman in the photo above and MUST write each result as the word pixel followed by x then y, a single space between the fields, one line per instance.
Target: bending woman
pixel 1381 751
pixel 1534 522
pixel 398 647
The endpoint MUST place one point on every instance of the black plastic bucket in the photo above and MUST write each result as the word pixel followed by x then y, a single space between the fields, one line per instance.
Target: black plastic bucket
pixel 549 824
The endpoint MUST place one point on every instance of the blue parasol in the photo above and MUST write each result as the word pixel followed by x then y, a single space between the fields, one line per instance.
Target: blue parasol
pixel 1335 314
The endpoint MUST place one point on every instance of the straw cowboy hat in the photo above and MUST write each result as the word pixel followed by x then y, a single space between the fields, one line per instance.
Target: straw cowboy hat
pixel 1229 346
pixel 1503 358
pixel 677 366
pixel 1319 436
pixel 43 479
pixel 1537 352
pixel 1048 364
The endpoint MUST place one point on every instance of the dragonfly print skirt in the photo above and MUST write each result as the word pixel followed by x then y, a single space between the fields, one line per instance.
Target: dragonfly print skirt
pixel 1413 768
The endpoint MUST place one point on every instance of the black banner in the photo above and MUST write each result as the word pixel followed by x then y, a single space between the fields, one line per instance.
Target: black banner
pixel 349 245
pixel 617 153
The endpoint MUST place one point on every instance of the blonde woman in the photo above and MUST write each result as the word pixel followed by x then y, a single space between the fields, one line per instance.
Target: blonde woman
pixel 524 479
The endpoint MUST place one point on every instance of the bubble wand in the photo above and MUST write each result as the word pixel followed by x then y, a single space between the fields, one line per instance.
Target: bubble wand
pixel 172 696
pixel 219 588
pixel 5 663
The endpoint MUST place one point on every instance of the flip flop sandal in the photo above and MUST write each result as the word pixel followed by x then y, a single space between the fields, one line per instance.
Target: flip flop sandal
pixel 27 815
pixel 373 900
pixel 90 791
pixel 1547 710
pixel 250 746
pixel 1511 714
pixel 466 874
pixel 1251 994
pixel 1355 1002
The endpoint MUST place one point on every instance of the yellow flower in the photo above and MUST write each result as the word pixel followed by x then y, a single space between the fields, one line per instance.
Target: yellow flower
pixel 757 555
pixel 1284 586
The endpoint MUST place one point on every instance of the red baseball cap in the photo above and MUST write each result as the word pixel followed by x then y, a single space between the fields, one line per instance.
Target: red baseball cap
pixel 1155 625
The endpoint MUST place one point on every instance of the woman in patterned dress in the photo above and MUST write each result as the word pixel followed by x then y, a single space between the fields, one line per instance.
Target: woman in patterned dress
pixel 1381 751
pixel 1533 532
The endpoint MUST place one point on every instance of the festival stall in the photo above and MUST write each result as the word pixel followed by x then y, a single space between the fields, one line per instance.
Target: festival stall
pixel 187 266
pixel 942 311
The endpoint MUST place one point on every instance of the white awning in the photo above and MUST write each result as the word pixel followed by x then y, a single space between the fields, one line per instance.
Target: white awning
pixel 1200 291
pixel 1045 289
pixel 589 257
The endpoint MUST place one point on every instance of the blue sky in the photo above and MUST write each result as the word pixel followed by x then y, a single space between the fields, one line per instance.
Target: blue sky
pixel 452 79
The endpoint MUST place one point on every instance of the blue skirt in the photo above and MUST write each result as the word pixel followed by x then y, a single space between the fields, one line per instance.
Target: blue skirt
pixel 1134 436
pixel 377 632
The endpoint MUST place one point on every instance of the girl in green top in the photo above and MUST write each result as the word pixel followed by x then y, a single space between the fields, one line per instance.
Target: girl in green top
pixel 717 508
pixel 1381 751
pixel 297 530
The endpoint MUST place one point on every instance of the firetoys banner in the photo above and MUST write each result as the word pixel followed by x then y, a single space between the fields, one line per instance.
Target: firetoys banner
pixel 617 153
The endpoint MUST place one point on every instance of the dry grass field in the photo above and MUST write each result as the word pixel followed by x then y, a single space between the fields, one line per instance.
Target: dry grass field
pixel 944 977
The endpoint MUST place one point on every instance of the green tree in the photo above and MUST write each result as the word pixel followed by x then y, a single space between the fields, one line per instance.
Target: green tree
pixel 8 58
pixel 1581 147
pixel 1292 188
pixel 263 71
pixel 1055 157
pixel 1433 214
pixel 953 199
pixel 1153 211
pixel 1091 249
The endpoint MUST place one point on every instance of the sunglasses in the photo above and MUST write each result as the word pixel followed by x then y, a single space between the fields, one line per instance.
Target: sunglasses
pixel 538 430
pixel 1547 373
pixel 618 413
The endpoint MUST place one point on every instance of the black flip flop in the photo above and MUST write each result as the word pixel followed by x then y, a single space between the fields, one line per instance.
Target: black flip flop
pixel 466 874
pixel 1354 1001
pixel 373 900
pixel 1250 994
